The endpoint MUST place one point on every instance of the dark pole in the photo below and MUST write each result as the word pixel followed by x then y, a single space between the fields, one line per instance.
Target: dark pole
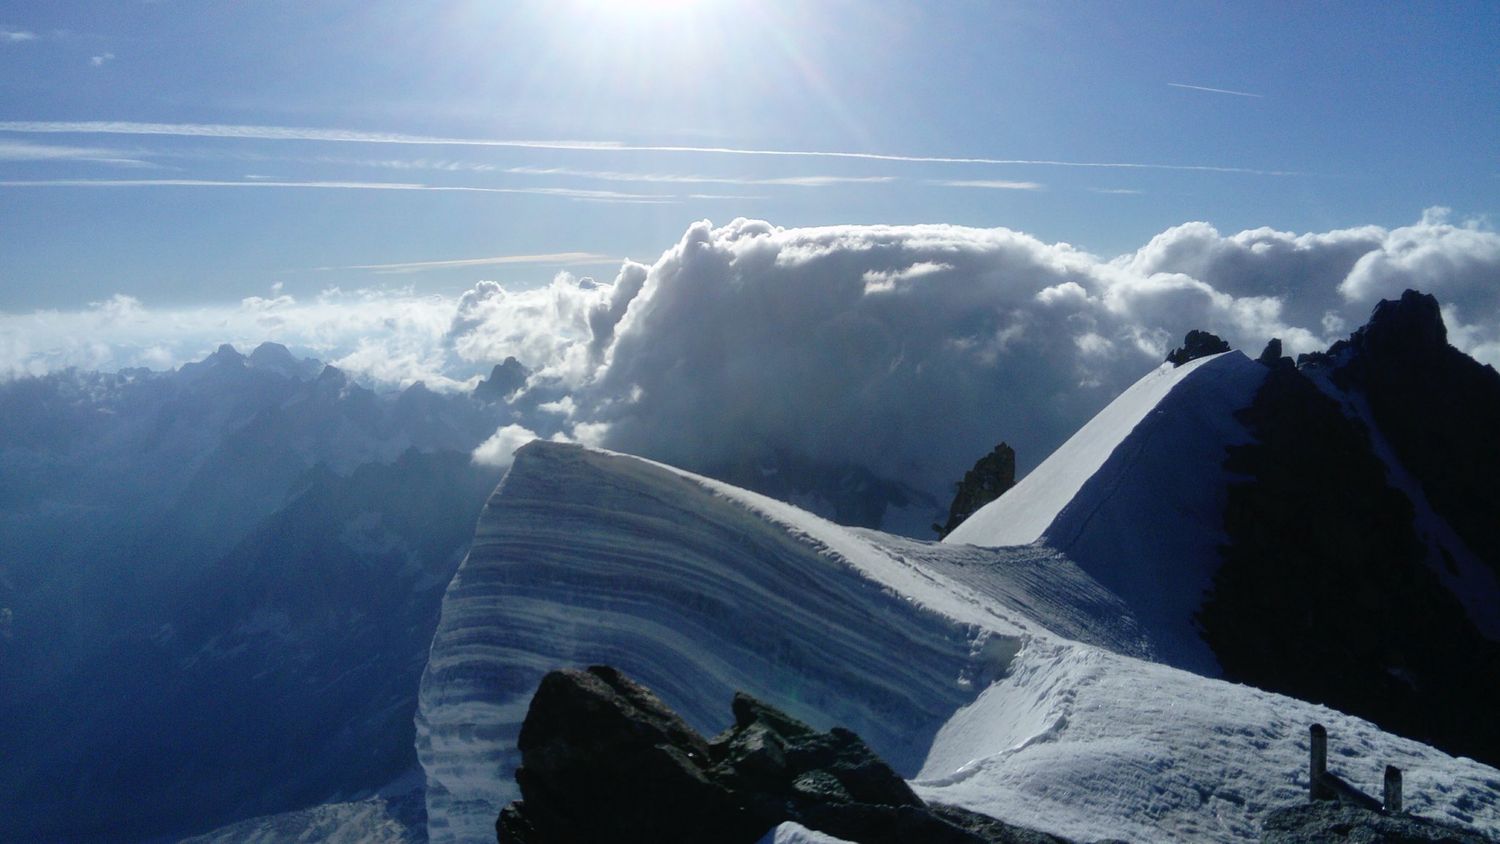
pixel 1392 789
pixel 1318 764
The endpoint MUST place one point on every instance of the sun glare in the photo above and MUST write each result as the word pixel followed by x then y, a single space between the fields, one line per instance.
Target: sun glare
pixel 644 10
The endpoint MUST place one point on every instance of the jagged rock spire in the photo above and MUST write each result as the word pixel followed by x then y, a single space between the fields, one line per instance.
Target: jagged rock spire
pixel 989 479
pixel 1197 344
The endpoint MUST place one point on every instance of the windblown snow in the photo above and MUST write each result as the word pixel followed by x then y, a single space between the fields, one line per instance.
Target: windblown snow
pixel 1010 680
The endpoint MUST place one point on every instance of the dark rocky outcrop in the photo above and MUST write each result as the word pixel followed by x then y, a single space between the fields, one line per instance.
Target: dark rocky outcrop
pixel 504 379
pixel 1272 357
pixel 603 759
pixel 1438 408
pixel 1325 592
pixel 1329 822
pixel 1197 344
pixel 989 479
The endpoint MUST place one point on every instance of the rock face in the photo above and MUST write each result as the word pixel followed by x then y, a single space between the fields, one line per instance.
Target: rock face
pixel 1438 408
pixel 603 759
pixel 1326 821
pixel 1339 583
pixel 989 479
pixel 1272 358
pixel 1197 344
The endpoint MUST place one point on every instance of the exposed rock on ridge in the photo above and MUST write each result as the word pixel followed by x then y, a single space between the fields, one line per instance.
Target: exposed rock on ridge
pixel 1326 822
pixel 991 476
pixel 1197 344
pixel 604 759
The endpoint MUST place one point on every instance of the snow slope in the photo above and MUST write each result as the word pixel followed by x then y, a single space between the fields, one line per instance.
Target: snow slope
pixel 1089 744
pixel 1022 515
pixel 955 662
pixel 1136 497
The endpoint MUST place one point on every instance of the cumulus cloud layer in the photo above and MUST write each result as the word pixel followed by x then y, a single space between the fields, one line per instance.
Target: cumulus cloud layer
pixel 907 350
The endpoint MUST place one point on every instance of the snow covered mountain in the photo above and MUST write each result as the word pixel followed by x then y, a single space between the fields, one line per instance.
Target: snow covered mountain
pixel 1054 662
pixel 1326 529
pixel 1006 680
pixel 220 586
pixel 1135 497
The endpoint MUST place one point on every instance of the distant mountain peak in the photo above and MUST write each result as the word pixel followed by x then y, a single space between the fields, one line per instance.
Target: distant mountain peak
pixel 224 359
pixel 332 375
pixel 227 354
pixel 274 357
pixel 504 379
pixel 269 352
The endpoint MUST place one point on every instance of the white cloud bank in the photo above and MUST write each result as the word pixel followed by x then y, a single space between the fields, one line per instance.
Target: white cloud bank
pixel 909 350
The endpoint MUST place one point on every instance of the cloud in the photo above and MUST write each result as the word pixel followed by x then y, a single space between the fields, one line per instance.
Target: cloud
pixel 991 184
pixel 912 349
pixel 1460 264
pixel 1215 90
pixel 26 151
pixel 442 165
pixel 99 60
pixel 908 350
pixel 548 328
pixel 16 36
pixel 293 133
pixel 390 335
pixel 499 449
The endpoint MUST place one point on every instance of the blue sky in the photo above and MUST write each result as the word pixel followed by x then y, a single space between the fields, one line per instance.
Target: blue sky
pixel 196 152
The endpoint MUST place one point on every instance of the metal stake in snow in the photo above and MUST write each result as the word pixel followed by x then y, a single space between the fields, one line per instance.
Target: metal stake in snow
pixel 1323 784
pixel 1318 765
pixel 1392 789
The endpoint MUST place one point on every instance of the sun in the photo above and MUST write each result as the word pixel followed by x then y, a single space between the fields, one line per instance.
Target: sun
pixel 644 10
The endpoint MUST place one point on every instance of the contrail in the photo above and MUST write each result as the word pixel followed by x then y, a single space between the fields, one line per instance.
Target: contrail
pixel 1216 90
pixel 285 133
pixel 567 193
pixel 548 258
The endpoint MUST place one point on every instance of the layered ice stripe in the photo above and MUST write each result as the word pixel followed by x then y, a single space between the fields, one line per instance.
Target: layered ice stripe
pixel 583 557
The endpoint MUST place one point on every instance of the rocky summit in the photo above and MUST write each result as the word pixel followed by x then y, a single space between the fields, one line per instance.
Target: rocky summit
pixel 603 759
pixel 1197 344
